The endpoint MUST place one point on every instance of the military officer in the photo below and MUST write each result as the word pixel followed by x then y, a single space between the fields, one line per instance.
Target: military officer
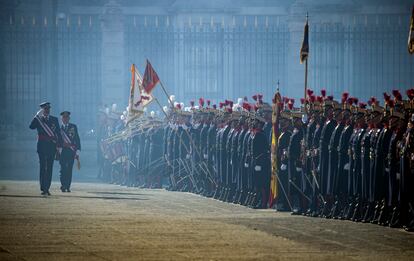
pixel 48 143
pixel 70 150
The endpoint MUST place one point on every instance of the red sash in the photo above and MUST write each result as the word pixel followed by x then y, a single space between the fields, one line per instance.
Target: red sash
pixel 66 141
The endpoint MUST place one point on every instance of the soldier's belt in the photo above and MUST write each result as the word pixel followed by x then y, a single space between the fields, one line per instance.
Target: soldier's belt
pixel 46 138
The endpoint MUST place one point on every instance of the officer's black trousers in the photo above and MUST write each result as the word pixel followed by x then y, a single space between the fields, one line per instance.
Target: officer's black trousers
pixel 66 166
pixel 46 167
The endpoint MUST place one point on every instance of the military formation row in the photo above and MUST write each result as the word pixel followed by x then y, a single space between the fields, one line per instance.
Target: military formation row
pixel 334 159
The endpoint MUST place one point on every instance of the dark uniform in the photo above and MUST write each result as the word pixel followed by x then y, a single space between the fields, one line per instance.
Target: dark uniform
pixel 295 169
pixel 69 152
pixel 49 139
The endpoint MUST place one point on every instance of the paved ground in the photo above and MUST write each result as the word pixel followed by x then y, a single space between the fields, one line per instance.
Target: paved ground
pixel 108 222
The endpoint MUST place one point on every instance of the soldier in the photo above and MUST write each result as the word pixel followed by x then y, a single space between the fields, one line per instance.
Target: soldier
pixel 355 162
pixel 295 166
pixel 70 151
pixel 313 134
pixel 211 151
pixel 390 211
pixel 406 179
pixel 283 203
pixel 261 162
pixel 310 127
pixel 369 168
pixel 48 143
pixel 333 157
pixel 323 150
pixel 340 181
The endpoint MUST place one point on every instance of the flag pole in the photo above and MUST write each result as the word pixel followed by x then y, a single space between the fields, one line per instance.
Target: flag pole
pixel 166 93
pixel 306 72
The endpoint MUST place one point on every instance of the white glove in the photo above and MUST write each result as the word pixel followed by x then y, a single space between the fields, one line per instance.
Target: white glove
pixel 59 150
pixel 298 169
pixel 258 168
pixel 188 156
pixel 283 167
pixel 77 152
pixel 231 162
pixel 346 167
pixel 40 113
pixel 398 176
pixel 205 156
pixel 246 165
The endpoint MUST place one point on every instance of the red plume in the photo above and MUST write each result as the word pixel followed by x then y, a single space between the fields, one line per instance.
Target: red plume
pixel 396 93
pixel 350 101
pixel 330 97
pixel 231 104
pixel 230 110
pixel 292 101
pixel 192 103
pixel 386 97
pixel 302 100
pixel 178 106
pixel 255 108
pixel 254 97
pixel 345 96
pixel 221 105
pixel 214 106
pixel 260 97
pixel 362 105
pixel 290 106
pixel 410 94
pixel 391 103
pixel 208 102
pixel 310 92
pixel 323 93
pixel 201 102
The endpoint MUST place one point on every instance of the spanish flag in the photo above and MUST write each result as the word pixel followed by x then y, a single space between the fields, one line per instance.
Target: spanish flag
pixel 304 50
pixel 411 34
pixel 274 191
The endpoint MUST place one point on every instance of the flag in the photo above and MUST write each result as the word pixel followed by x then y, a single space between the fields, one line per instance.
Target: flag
pixel 150 78
pixel 304 50
pixel 411 34
pixel 138 98
pixel 274 191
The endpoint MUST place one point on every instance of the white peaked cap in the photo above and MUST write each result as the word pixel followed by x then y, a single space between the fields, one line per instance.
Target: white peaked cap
pixel 165 108
pixel 107 110
pixel 114 106
pixel 122 117
pixel 239 101
pixel 172 98
pixel 152 113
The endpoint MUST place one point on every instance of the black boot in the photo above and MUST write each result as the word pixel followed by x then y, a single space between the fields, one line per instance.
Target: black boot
pixel 395 218
pixel 377 212
pixel 369 209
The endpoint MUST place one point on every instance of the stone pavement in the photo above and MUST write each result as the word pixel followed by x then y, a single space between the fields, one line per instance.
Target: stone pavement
pixel 109 222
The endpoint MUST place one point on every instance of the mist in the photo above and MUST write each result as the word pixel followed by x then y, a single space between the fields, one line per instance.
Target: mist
pixel 77 55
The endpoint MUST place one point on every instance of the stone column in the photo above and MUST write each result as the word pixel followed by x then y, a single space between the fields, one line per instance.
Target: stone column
pixel 113 89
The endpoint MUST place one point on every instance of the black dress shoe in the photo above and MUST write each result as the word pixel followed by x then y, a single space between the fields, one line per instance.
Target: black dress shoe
pixel 43 193
pixel 68 190
pixel 48 193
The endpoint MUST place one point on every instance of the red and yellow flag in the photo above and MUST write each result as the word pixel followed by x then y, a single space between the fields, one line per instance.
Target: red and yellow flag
pixel 274 191
pixel 150 78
